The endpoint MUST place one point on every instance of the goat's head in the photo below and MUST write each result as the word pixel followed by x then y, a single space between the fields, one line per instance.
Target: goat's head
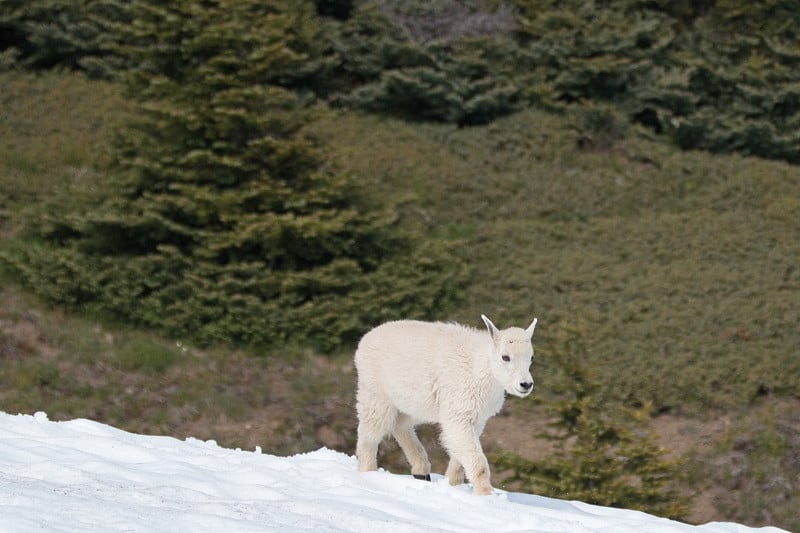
pixel 510 360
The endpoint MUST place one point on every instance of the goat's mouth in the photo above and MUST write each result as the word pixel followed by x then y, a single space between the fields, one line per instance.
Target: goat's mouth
pixel 519 391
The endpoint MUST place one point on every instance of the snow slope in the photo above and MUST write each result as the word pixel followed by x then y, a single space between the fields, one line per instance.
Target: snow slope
pixel 85 476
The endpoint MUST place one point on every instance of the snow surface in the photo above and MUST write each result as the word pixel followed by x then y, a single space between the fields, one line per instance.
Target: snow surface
pixel 81 475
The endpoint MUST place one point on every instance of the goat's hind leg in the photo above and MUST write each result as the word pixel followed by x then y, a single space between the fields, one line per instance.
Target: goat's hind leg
pixel 415 453
pixel 376 419
pixel 455 472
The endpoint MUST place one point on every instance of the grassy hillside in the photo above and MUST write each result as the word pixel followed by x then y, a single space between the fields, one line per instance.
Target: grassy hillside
pixel 679 268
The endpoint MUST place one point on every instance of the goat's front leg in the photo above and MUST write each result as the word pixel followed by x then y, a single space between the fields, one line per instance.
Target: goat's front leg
pixel 466 456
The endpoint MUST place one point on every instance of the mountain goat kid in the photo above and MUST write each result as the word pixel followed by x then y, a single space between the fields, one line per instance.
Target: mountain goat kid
pixel 412 372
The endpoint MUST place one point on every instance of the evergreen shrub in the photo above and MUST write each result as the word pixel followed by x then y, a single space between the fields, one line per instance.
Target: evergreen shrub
pixel 442 61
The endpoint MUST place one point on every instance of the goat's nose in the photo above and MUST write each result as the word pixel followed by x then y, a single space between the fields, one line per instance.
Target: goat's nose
pixel 526 385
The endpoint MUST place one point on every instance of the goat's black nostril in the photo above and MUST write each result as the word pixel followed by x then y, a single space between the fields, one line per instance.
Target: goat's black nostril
pixel 526 385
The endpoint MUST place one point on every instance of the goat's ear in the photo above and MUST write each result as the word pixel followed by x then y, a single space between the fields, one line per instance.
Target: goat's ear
pixel 493 331
pixel 530 329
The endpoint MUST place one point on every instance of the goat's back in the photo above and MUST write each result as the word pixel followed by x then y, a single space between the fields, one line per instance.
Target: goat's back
pixel 412 364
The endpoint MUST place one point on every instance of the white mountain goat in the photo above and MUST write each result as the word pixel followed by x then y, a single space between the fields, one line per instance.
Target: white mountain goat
pixel 412 372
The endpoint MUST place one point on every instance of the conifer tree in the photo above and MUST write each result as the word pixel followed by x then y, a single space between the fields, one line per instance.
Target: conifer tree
pixel 226 222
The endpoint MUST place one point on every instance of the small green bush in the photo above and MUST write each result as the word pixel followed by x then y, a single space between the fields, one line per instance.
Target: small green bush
pixel 600 126
pixel 146 356
pixel 603 459
pixel 38 374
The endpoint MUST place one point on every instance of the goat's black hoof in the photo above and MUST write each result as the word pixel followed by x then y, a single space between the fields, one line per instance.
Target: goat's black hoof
pixel 423 477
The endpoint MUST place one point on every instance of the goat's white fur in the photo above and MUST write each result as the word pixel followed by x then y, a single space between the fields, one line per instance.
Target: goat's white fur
pixel 412 372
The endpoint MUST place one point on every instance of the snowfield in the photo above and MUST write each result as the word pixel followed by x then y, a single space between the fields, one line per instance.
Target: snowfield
pixel 85 476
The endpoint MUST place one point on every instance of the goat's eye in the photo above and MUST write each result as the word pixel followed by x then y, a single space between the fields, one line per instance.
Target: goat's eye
pixel 506 358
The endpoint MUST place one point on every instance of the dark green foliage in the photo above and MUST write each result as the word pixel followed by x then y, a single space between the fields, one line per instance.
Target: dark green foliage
pixel 226 222
pixel 454 71
pixel 707 75
pixel 723 78
pixel 720 76
pixel 69 33
pixel 587 51
pixel 602 457
pixel 727 82
pixel 339 9
pixel 443 87
pixel 744 83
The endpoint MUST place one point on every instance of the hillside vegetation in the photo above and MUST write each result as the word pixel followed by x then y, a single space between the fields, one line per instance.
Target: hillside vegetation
pixel 667 258
pixel 510 167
